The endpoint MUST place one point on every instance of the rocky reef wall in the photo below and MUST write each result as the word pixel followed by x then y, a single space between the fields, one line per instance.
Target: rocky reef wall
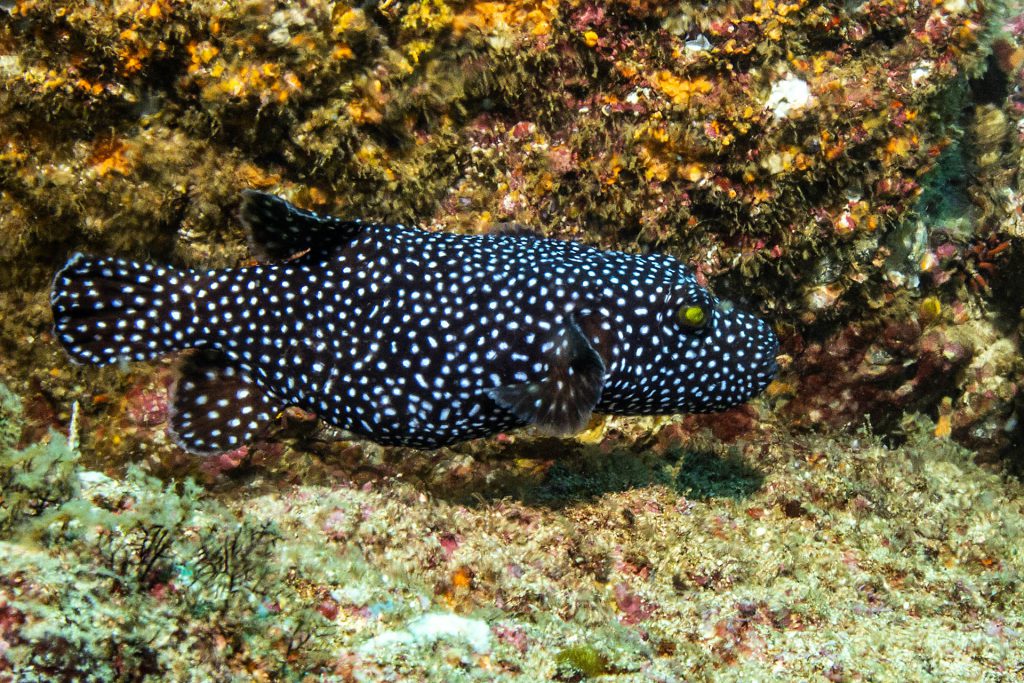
pixel 850 171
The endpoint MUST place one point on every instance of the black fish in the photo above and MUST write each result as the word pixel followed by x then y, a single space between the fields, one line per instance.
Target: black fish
pixel 412 337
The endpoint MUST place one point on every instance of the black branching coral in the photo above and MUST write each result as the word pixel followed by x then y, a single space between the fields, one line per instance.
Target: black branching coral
pixel 411 337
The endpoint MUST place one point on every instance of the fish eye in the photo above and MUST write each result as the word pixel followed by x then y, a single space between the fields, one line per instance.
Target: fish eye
pixel 692 316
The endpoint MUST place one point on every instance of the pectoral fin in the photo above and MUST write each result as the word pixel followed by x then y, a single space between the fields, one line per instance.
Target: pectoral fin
pixel 216 406
pixel 562 402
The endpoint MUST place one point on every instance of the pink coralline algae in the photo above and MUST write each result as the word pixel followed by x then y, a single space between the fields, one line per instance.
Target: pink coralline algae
pixel 217 465
pixel 633 608
pixel 147 407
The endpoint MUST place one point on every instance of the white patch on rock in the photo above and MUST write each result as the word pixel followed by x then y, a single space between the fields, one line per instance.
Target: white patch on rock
pixel 698 44
pixel 920 73
pixel 89 479
pixel 280 36
pixel 789 95
pixel 430 628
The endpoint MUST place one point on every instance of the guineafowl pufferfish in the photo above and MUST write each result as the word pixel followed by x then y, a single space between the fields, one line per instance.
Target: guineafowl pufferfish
pixel 411 337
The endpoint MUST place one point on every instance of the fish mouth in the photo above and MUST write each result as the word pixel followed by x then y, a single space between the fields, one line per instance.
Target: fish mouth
pixel 771 354
pixel 775 358
pixel 760 347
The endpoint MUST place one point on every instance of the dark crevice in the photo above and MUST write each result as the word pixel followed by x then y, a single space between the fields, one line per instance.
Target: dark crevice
pixel 992 86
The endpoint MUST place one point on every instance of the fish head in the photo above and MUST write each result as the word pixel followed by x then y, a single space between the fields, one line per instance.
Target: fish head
pixel 712 356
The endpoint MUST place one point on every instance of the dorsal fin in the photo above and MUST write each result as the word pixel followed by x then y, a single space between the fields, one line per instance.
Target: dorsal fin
pixel 562 402
pixel 277 229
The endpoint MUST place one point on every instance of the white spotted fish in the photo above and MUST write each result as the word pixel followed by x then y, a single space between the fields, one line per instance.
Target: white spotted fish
pixel 411 337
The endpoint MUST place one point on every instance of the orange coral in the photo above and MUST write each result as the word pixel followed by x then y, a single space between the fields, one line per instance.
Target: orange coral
pixel 109 156
pixel 680 90
pixel 492 17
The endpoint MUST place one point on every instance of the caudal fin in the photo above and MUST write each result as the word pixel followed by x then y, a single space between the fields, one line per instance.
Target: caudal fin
pixel 109 309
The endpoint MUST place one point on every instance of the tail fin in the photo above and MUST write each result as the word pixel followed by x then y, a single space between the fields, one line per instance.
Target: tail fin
pixel 108 309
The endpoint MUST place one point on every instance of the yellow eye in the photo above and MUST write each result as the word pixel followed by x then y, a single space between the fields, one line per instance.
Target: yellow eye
pixel 692 316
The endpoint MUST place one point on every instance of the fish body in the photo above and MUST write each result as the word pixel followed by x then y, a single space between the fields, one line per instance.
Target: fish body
pixel 411 337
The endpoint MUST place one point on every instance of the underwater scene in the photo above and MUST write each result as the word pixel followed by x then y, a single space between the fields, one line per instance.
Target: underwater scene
pixel 440 340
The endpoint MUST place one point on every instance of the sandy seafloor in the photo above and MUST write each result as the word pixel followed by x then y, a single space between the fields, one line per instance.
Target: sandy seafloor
pixel 851 172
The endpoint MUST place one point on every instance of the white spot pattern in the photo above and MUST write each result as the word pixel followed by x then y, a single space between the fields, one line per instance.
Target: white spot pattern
pixel 398 334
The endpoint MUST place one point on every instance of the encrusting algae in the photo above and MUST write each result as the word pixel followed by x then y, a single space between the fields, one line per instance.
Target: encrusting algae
pixel 792 557
pixel 849 171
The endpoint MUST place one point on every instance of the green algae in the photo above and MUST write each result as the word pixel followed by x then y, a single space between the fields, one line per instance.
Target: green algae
pixel 10 418
pixel 843 549
pixel 944 203
pixel 107 580
pixel 35 479
pixel 583 660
